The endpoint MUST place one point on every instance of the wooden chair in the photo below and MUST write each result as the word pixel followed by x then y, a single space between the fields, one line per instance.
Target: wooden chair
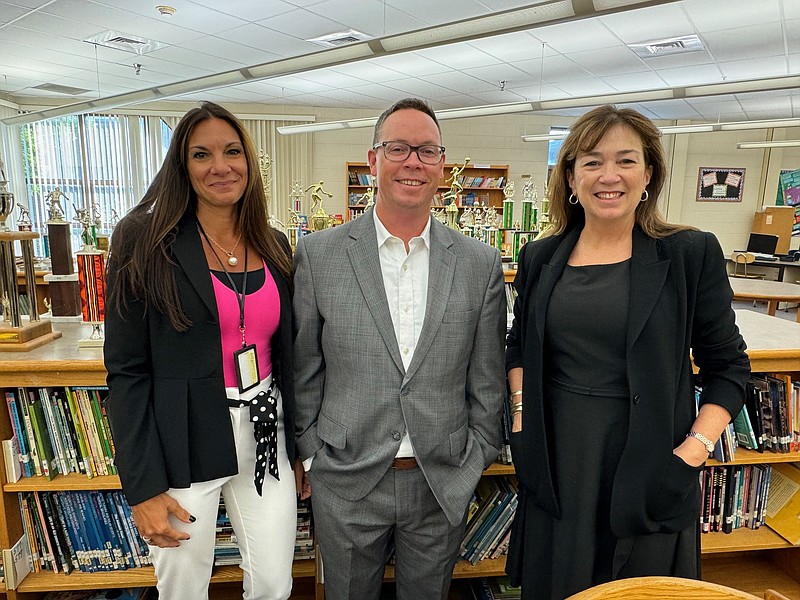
pixel 742 259
pixel 663 588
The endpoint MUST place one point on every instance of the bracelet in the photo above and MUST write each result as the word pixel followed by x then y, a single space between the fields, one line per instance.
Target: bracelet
pixel 517 393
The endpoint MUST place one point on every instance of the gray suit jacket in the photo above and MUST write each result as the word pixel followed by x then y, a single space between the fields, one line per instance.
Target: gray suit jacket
pixel 353 396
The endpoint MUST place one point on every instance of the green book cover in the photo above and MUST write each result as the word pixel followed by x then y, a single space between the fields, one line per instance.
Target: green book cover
pixel 46 455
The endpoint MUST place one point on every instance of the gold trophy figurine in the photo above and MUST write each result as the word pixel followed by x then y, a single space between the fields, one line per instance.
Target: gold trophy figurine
pixel 265 169
pixel 319 218
pixel 450 197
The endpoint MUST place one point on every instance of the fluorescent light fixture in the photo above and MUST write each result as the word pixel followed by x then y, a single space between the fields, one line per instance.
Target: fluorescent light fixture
pixel 442 115
pixel 698 128
pixel 544 137
pixel 704 128
pixel 766 124
pixel 772 144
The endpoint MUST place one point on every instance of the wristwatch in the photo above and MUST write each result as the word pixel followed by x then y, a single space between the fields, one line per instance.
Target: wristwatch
pixel 703 439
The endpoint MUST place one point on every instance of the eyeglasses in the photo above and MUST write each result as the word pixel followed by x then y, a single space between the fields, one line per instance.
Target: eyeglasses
pixel 399 151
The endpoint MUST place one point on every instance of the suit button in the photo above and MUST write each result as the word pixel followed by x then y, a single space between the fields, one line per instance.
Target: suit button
pixel 404 391
pixel 636 399
pixel 396 435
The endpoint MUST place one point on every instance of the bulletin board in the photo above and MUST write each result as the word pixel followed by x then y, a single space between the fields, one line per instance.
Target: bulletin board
pixel 716 184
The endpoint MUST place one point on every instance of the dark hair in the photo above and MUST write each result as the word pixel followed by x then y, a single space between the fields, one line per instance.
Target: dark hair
pixel 140 249
pixel 404 104
pixel 584 135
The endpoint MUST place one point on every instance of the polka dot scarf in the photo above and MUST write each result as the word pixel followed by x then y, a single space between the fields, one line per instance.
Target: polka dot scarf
pixel 264 415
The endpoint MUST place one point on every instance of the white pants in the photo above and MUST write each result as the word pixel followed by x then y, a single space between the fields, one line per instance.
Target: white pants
pixel 265 526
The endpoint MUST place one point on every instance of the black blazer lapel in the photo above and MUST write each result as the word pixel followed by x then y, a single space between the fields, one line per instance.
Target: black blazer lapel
pixel 188 251
pixel 648 275
pixel 551 272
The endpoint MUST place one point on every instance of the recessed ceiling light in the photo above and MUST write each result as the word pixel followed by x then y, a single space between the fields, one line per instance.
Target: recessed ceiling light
pixel 166 11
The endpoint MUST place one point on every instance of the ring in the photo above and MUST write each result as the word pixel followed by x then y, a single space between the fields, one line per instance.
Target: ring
pixel 148 541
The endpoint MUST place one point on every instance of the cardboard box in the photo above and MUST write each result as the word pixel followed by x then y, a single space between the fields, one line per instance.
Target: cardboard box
pixel 783 504
pixel 776 220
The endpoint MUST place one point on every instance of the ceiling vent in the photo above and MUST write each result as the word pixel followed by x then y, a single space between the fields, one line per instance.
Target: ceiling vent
pixel 678 45
pixel 342 38
pixel 60 89
pixel 125 42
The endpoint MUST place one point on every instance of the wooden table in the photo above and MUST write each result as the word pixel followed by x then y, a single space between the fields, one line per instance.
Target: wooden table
pixel 771 291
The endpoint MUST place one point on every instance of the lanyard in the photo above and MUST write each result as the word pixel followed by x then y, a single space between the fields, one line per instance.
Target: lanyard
pixel 239 297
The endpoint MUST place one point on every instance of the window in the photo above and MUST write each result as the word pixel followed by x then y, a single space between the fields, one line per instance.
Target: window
pixel 553 147
pixel 100 163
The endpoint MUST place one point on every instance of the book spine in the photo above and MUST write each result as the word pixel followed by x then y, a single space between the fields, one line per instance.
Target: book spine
pixel 91 427
pixel 103 434
pixel 73 531
pixel 80 434
pixel 62 531
pixel 46 534
pixel 70 436
pixel 20 434
pixel 53 430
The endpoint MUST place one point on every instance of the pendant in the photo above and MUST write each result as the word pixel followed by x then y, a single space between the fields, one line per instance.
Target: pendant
pixel 233 261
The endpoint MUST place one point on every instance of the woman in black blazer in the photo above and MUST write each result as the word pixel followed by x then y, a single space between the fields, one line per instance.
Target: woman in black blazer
pixel 199 357
pixel 608 440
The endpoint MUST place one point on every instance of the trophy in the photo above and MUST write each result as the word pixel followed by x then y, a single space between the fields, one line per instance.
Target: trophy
pixel 91 277
pixel 6 198
pixel 529 195
pixel 319 218
pixel 14 334
pixel 450 197
pixel 265 168
pixel 55 213
pixel 24 222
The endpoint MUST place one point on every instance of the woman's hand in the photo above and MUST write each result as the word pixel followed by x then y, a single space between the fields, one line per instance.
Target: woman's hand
pixel 301 481
pixel 152 521
pixel 692 452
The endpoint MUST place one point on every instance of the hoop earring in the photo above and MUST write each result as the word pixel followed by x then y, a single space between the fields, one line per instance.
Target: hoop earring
pixel 572 199
pixel 645 197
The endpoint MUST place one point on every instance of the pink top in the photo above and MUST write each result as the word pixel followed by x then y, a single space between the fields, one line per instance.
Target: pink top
pixel 262 310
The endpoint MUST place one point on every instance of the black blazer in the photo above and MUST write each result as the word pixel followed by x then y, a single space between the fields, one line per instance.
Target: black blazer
pixel 168 411
pixel 680 299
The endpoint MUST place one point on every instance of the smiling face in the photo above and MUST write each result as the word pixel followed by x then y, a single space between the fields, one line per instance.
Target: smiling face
pixel 609 180
pixel 408 185
pixel 216 164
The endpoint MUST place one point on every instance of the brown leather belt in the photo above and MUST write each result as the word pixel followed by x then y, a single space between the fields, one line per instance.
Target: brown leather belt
pixel 403 464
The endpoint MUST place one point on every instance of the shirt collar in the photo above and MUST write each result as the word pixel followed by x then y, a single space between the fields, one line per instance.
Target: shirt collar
pixel 383 234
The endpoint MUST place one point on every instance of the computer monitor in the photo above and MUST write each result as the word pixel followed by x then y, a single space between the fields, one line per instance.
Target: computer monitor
pixel 762 243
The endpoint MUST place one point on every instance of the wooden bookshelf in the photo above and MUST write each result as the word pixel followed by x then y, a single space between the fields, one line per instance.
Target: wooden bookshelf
pixel 62 363
pixel 493 194
pixel 753 560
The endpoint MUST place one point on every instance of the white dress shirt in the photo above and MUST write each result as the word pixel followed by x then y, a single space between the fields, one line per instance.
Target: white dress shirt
pixel 405 280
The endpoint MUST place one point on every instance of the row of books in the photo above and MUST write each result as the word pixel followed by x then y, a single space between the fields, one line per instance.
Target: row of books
pixel 86 530
pixel 481 182
pixel 494 588
pixel 491 512
pixel 354 178
pixel 61 430
pixel 734 497
pixel 226 548
pixel 769 420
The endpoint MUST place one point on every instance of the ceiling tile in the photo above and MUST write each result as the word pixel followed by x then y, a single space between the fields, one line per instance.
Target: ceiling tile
pixel 188 15
pixel 697 75
pixel 647 24
pixel 435 12
pixel 368 71
pixel 331 79
pixel 649 80
pixel 753 42
pixel 270 40
pixel 682 59
pixel 576 36
pixel 553 68
pixel 410 64
pixel 511 47
pixel 496 73
pixel 461 82
pixel 249 10
pixel 230 50
pixel 183 56
pixel 609 61
pixel 717 15
pixel 376 19
pixel 419 88
pixel 303 24
pixel 772 66
pixel 459 56
pixel 586 87
pixel 9 12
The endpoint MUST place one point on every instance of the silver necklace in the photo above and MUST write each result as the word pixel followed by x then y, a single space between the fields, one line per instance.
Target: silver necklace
pixel 232 260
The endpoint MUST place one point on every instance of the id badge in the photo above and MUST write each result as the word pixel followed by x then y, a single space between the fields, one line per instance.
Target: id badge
pixel 247 375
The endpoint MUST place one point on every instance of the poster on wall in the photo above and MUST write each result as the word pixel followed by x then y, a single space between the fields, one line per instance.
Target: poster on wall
pixel 789 195
pixel 720 185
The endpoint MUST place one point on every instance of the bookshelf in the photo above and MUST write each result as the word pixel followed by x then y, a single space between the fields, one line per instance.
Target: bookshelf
pixel 752 560
pixel 358 178
pixel 60 364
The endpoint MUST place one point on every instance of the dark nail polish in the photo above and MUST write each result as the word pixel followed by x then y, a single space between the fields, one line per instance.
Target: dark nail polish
pixel 192 519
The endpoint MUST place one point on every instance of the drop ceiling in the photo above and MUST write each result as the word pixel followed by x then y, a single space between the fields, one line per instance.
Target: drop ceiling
pixel 42 51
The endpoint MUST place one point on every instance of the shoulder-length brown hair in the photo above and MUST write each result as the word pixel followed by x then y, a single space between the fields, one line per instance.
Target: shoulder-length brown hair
pixel 140 251
pixel 584 135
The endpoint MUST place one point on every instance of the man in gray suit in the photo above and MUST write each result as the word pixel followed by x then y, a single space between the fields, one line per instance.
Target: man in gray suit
pixel 399 379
